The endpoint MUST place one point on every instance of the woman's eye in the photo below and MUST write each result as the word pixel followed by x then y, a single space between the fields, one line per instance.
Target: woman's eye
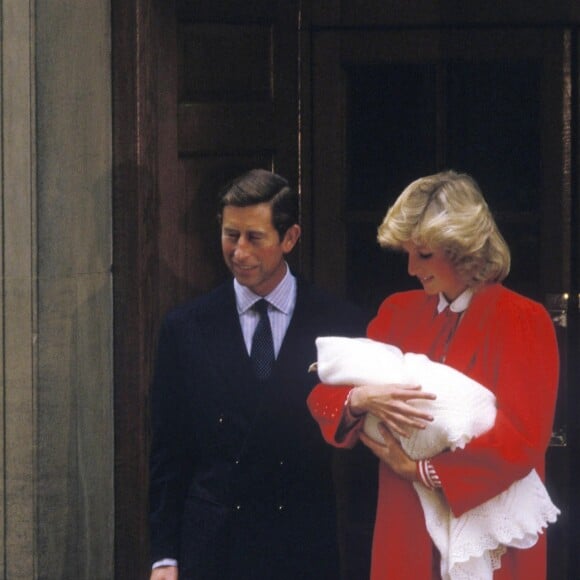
pixel 425 255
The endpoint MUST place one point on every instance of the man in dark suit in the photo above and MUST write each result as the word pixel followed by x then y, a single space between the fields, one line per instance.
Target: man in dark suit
pixel 241 485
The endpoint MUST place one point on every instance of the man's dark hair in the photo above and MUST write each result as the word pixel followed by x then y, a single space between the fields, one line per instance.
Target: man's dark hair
pixel 261 186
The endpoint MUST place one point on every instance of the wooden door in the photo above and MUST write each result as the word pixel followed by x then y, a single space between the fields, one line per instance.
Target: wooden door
pixel 203 90
pixel 393 105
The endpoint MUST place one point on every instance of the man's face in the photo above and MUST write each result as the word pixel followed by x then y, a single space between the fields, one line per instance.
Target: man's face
pixel 252 248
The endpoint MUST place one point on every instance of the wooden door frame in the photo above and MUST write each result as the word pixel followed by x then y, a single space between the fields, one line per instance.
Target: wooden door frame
pixel 143 33
pixel 135 43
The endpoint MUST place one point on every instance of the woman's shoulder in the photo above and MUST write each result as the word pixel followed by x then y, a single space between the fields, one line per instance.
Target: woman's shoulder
pixel 510 305
pixel 407 299
pixel 505 297
pixel 408 303
pixel 400 312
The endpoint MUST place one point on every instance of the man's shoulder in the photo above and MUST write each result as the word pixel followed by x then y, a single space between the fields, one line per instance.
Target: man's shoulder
pixel 203 304
pixel 313 294
pixel 323 304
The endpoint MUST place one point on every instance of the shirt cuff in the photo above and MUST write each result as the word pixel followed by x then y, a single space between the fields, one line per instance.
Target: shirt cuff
pixel 164 562
pixel 427 474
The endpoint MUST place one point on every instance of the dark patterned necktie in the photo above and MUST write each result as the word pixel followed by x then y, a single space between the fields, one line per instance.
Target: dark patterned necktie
pixel 262 352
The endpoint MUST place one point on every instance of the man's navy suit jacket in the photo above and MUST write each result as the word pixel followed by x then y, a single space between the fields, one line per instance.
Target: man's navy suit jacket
pixel 240 482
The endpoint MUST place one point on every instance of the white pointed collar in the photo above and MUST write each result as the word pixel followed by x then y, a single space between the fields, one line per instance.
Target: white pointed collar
pixel 460 304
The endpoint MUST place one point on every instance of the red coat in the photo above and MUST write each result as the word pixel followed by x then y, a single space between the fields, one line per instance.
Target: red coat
pixel 505 342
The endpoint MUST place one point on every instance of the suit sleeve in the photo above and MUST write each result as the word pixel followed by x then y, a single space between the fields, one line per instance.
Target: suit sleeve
pixel 520 358
pixel 170 464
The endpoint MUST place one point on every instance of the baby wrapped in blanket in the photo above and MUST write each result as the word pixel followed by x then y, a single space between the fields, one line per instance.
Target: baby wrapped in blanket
pixel 471 544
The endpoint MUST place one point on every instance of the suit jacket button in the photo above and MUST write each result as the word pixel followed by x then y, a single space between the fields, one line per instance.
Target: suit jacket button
pixel 281 507
pixel 238 507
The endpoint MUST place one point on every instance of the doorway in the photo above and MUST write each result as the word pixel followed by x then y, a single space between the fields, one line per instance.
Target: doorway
pixel 391 106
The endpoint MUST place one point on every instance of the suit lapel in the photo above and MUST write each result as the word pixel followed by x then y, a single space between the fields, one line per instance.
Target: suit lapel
pixel 222 334
pixel 296 345
pixel 223 337
pixel 226 349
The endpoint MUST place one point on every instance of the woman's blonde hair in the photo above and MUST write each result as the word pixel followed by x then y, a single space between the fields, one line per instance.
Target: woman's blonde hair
pixel 447 211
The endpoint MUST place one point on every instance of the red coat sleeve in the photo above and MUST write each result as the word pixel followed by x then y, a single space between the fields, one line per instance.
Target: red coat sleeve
pixel 326 404
pixel 519 362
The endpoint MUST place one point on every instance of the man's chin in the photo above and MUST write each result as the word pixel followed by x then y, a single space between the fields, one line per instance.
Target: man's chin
pixel 241 274
pixel 248 280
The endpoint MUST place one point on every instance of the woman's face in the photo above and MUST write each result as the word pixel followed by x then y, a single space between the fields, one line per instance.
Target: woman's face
pixel 434 271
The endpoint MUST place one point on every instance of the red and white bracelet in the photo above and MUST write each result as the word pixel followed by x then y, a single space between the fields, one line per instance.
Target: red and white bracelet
pixel 427 474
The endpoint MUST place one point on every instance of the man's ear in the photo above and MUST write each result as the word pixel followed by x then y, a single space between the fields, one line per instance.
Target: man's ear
pixel 291 238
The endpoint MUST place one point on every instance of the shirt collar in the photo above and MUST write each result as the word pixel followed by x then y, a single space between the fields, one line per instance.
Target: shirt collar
pixel 460 304
pixel 282 297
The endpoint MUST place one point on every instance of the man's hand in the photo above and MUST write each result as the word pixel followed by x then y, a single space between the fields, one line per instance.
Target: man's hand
pixel 393 406
pixel 392 454
pixel 164 573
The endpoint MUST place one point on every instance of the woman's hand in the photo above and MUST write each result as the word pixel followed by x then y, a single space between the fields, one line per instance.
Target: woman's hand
pixel 392 405
pixel 391 453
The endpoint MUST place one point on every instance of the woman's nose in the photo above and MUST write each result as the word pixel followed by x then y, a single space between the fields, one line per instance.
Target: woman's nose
pixel 411 266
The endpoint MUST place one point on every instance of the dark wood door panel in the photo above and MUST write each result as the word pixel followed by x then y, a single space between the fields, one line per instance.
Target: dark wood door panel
pixel 388 13
pixel 207 129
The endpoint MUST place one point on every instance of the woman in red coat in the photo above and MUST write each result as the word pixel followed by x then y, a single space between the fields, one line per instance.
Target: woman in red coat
pixel 466 319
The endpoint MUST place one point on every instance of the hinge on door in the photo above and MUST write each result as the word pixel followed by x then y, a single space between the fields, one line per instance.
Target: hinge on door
pixel 557 306
pixel 559 438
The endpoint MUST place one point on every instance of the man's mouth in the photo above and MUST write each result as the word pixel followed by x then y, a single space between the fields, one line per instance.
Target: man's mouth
pixel 243 268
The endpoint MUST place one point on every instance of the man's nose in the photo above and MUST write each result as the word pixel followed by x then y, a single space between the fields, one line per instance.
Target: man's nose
pixel 241 248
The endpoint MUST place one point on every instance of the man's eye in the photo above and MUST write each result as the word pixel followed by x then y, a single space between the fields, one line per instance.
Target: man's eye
pixel 425 255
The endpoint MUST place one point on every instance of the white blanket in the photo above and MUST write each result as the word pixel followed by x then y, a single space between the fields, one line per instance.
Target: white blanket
pixel 470 545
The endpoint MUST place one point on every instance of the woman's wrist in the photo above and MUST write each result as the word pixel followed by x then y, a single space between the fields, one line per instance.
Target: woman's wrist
pixel 352 402
pixel 412 471
pixel 408 470
pixel 427 475
pixel 350 417
pixel 348 420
